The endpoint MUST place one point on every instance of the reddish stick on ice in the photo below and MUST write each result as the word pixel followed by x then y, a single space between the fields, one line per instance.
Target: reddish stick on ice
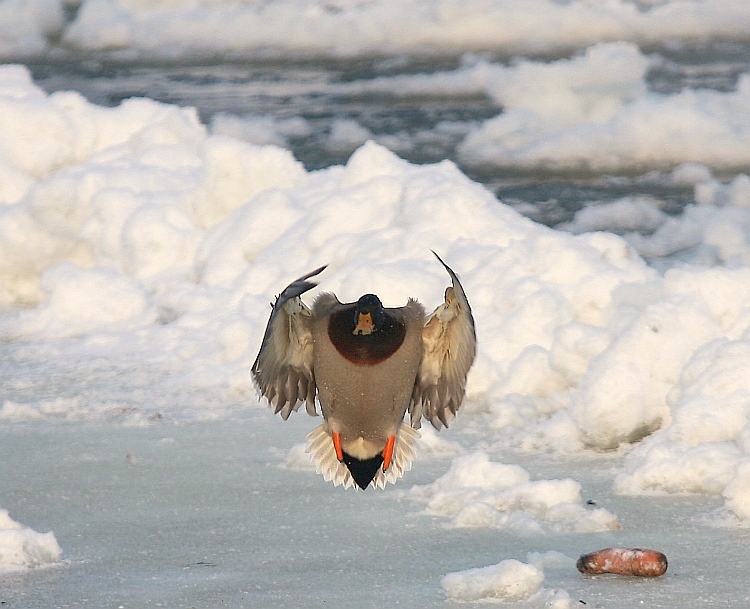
pixel 624 561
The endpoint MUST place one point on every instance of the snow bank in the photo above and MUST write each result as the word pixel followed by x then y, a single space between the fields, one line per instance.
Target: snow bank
pixel 176 27
pixel 704 449
pixel 27 26
pixel 136 218
pixel 701 446
pixel 29 411
pixel 477 492
pixel 510 581
pixel 22 548
pixel 593 112
pixel 137 232
pixel 713 230
pixel 737 497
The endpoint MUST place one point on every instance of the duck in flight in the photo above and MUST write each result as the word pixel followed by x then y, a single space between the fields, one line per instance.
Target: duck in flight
pixel 367 365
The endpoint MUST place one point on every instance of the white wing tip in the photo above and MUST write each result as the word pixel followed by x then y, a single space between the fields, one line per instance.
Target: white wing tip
pixel 323 455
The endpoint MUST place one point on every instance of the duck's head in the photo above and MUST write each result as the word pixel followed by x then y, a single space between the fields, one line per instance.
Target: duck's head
pixel 368 315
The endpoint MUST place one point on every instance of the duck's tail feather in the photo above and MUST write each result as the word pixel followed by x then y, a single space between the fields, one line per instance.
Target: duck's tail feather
pixel 323 455
pixel 404 451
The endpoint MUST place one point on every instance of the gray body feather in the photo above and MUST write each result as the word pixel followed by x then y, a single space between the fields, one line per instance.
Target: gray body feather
pixel 365 404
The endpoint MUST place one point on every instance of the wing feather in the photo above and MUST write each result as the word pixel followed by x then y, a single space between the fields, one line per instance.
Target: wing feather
pixel 283 370
pixel 449 346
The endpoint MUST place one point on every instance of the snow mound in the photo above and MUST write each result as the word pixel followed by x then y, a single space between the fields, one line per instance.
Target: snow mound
pixel 22 548
pixel 594 112
pixel 135 231
pixel 355 27
pixel 477 492
pixel 510 580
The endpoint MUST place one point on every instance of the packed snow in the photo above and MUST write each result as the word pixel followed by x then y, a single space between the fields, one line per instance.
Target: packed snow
pixel 511 580
pixel 352 27
pixel 27 27
pixel 135 221
pixel 594 112
pixel 476 492
pixel 712 231
pixel 23 548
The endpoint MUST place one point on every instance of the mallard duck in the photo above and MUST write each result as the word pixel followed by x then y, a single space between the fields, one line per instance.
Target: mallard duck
pixel 367 364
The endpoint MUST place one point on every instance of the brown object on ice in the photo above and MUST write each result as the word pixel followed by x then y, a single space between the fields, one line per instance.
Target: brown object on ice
pixel 624 561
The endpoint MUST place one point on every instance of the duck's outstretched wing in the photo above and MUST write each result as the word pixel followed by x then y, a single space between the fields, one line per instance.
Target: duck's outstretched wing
pixel 449 345
pixel 283 370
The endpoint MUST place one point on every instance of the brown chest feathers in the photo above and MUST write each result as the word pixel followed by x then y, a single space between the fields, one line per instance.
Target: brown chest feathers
pixel 364 349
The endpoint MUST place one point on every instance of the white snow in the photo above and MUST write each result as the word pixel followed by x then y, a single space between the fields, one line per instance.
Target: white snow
pixel 26 26
pixel 737 495
pixel 477 492
pixel 594 112
pixel 714 230
pixel 260 129
pixel 509 580
pixel 591 112
pixel 177 27
pixel 23 548
pixel 142 231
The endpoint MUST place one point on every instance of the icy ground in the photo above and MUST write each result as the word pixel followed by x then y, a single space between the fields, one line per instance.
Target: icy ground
pixel 179 513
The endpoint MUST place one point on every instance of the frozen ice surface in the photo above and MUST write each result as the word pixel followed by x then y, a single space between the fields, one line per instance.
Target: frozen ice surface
pixel 200 514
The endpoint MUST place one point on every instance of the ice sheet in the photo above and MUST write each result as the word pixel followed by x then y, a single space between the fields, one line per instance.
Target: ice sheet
pixel 201 513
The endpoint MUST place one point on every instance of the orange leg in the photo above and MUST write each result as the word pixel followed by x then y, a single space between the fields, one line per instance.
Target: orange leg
pixel 388 452
pixel 337 446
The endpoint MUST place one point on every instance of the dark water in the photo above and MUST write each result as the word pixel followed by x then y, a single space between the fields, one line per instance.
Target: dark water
pixel 322 91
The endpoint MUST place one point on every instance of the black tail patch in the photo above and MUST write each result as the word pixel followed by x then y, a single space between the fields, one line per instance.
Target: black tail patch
pixel 363 471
